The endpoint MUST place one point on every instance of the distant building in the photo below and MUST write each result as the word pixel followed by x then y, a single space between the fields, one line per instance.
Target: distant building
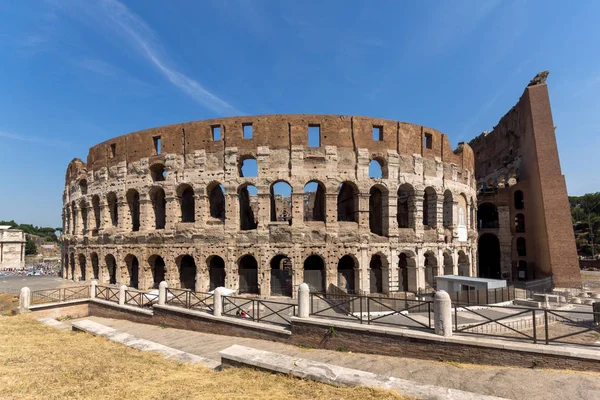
pixel 12 248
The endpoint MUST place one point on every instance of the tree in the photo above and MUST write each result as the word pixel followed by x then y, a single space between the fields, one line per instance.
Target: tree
pixel 30 247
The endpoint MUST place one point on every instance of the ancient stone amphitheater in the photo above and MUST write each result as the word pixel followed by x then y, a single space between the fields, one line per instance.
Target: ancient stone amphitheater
pixel 261 204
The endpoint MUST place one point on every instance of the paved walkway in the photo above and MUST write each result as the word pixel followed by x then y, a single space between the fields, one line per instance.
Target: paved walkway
pixel 512 383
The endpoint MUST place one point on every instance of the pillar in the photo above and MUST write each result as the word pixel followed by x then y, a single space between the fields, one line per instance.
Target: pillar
pixel 162 293
pixel 24 300
pixel 218 302
pixel 303 301
pixel 442 313
pixel 122 291
pixel 93 288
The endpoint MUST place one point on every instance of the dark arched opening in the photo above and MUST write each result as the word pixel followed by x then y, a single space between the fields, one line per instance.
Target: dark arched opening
pixel 133 269
pixel 405 206
pixel 521 247
pixel 376 211
pixel 347 202
pixel 281 276
pixel 403 272
pixel 96 210
pixel 520 223
pixel 248 198
pixel 248 270
pixel 216 272
pixel 157 197
pixel 216 201
pixel 487 215
pixel 157 171
pixel 82 267
pixel 157 265
pixel 430 207
pixel 281 202
pixel 111 266
pixel 519 201
pixel 187 203
pixel 111 200
pixel 448 217
pixel 488 253
pixel 431 270
pixel 187 272
pixel 314 201
pixel 522 270
pixel 346 274
pixel 133 201
pixel 314 273
pixel 95 266
pixel 376 274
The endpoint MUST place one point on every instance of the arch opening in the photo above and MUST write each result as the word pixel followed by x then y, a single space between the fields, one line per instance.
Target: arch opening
pixel 376 169
pixel 82 267
pixel 96 211
pixel 95 266
pixel 521 247
pixel 113 210
pixel 488 254
pixel 519 200
pixel 464 266
pixel 314 273
pixel 487 215
pixel 520 223
pixel 248 198
pixel 216 272
pixel 111 266
pixel 314 201
pixel 133 270
pixel 405 205
pixel 159 205
pixel 377 211
pixel 133 201
pixel 216 201
pixel 187 203
pixel 448 215
pixel 448 264
pixel 158 173
pixel 187 272
pixel 248 167
pixel 347 202
pixel 281 276
pixel 248 272
pixel 158 268
pixel 431 270
pixel 346 274
pixel 377 275
pixel 430 207
pixel 281 202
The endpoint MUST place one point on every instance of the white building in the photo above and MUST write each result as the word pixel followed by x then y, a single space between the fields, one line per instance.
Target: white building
pixel 12 248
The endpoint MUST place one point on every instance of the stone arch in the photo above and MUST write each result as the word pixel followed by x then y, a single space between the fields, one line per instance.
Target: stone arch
pixel 378 274
pixel 96 211
pixel 186 265
pixel 519 200
pixel 132 271
pixel 159 207
pixel 83 187
pixel 406 206
pixel 430 207
pixel 187 203
pixel 487 215
pixel 73 266
pixel 406 278
pixel 347 202
pixel 314 201
pixel 248 167
pixel 281 201
pixel 82 267
pixel 448 263
pixel 113 209
pixel 248 273
pixel 248 205
pixel 216 200
pixel 488 255
pixel 281 276
pixel 314 273
pixel 520 223
pixel 95 265
pixel 521 247
pixel 216 272
pixel 133 202
pixel 377 168
pixel 158 268
pixel 111 269
pixel 84 216
pixel 347 267
pixel 448 214
pixel 430 263
pixel 157 172
pixel 378 207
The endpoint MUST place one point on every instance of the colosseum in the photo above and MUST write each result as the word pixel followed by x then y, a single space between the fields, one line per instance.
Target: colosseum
pixel 261 204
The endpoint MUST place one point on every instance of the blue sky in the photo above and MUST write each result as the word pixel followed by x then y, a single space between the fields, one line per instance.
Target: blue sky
pixel 75 73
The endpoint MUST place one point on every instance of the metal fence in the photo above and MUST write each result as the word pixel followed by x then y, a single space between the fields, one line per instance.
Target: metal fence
pixel 529 324
pixel 60 294
pixel 373 310
pixel 108 293
pixel 258 310
pixel 188 299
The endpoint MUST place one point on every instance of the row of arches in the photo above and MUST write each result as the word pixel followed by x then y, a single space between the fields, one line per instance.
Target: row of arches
pixel 488 218
pixel 149 273
pixel 431 208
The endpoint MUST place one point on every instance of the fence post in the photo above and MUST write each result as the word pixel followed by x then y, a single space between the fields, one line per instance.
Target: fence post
pixel 24 300
pixel 122 291
pixel 93 286
pixel 442 313
pixel 162 293
pixel 303 301
pixel 218 303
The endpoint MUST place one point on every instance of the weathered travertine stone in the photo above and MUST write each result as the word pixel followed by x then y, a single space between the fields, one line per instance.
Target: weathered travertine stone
pixel 303 301
pixel 24 299
pixel 442 310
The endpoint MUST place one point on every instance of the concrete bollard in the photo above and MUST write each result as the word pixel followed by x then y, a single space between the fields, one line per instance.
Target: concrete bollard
pixel 303 301
pixel 24 300
pixel 442 313
pixel 218 302
pixel 122 291
pixel 162 293
pixel 93 289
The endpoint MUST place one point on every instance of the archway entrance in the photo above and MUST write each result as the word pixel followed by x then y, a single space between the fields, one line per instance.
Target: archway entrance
pixel 376 274
pixel 133 269
pixel 111 266
pixel 82 267
pixel 488 253
pixel 216 272
pixel 157 264
pixel 187 272
pixel 95 267
pixel 403 272
pixel 314 273
pixel 281 276
pixel 248 270
pixel 346 274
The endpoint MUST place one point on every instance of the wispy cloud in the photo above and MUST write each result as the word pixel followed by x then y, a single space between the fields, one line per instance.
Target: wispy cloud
pixel 32 139
pixel 114 17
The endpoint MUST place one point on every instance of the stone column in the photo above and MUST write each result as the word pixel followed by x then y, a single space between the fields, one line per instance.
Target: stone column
pixel 162 293
pixel 363 211
pixel 303 301
pixel 442 310
pixel 364 286
pixel 93 288
pixel 105 220
pixel 146 211
pixel 331 207
pixel 124 219
pixel 199 210
pixel 218 302
pixel 232 207
pixel 76 221
pixel 417 214
pixel 170 203
pixel 122 291
pixel 24 300
pixel 297 209
pixel 392 215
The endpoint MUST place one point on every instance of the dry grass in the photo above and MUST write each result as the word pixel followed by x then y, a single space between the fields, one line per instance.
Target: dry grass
pixel 39 362
pixel 8 302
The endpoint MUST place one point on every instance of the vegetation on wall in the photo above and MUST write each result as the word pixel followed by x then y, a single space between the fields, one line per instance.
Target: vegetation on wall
pixel 585 213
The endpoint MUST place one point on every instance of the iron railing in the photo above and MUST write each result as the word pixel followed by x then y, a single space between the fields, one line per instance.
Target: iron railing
pixel 107 293
pixel 60 294
pixel 139 299
pixel 188 299
pixel 570 322
pixel 373 310
pixel 258 310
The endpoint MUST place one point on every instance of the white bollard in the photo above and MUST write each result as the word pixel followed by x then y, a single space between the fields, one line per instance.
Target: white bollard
pixel 442 313
pixel 218 302
pixel 303 301
pixel 24 300
pixel 162 293
pixel 93 287
pixel 122 291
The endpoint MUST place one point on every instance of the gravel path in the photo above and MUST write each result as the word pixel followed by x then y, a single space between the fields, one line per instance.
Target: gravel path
pixel 511 383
